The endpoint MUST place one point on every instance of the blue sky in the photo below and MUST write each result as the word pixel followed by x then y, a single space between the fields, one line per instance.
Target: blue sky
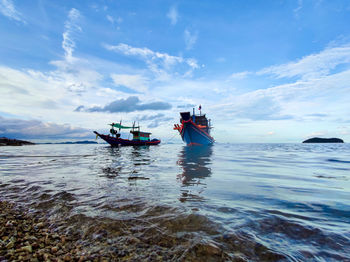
pixel 263 71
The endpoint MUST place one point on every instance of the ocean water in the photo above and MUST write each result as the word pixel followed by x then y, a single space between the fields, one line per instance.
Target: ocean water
pixel 256 202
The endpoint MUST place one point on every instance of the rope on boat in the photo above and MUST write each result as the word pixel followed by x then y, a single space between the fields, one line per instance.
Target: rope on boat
pixel 171 138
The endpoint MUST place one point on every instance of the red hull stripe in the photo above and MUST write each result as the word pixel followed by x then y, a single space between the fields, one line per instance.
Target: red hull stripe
pixel 199 129
pixel 194 144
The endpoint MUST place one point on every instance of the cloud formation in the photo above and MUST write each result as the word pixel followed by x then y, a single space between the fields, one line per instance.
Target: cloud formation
pixel 71 26
pixel 35 129
pixel 7 8
pixel 312 66
pixel 240 75
pixel 172 15
pixel 114 21
pixel 134 82
pixel 156 61
pixel 130 104
pixel 154 121
pixel 188 106
pixel 77 74
pixel 298 9
pixel 190 39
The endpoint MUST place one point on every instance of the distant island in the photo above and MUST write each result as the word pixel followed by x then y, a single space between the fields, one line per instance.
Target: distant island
pixel 323 140
pixel 4 141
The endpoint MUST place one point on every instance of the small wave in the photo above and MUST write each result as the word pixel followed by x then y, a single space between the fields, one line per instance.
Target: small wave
pixel 277 227
pixel 338 161
pixel 34 156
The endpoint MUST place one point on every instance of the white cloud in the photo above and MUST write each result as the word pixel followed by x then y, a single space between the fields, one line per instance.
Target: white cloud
pixel 190 39
pixel 144 53
pixel 298 8
pixel 71 26
pixel 240 75
pixel 312 66
pixel 325 95
pixel 119 20
pixel 37 129
pixel 192 63
pixel 54 94
pixel 156 61
pixel 318 87
pixel 75 74
pixel 7 8
pixel 110 19
pixel 173 15
pixel 134 82
pixel 317 134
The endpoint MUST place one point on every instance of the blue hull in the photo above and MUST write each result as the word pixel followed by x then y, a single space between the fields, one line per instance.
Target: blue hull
pixel 192 135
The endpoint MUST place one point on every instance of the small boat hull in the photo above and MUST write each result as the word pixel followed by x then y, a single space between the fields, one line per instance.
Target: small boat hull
pixel 114 141
pixel 193 135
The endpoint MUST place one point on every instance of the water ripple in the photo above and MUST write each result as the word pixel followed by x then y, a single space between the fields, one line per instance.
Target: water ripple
pixel 256 202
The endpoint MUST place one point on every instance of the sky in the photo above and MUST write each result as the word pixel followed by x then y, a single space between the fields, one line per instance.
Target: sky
pixel 262 71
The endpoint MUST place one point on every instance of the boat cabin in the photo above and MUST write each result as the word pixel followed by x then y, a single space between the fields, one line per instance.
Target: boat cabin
pixel 197 119
pixel 140 136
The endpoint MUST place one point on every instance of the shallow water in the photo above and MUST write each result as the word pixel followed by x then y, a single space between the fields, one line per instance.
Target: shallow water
pixel 253 201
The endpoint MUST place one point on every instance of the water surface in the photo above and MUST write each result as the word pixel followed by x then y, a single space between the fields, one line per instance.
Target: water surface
pixel 253 201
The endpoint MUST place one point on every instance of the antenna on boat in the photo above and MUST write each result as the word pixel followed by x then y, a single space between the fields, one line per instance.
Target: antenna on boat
pixel 120 124
pixel 200 110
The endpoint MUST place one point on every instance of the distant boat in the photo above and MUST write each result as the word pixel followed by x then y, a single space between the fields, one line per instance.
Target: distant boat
pixel 194 129
pixel 139 138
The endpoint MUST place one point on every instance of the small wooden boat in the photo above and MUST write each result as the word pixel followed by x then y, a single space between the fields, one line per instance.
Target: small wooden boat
pixel 139 138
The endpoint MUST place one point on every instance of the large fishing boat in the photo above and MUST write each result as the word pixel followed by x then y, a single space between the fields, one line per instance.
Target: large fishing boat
pixel 139 138
pixel 194 129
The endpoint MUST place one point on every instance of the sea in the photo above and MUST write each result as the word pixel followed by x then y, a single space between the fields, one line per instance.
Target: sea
pixel 253 202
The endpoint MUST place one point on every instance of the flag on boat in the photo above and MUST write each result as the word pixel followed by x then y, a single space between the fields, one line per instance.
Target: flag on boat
pixel 200 107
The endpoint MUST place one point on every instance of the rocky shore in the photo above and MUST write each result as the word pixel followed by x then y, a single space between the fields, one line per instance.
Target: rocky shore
pixel 4 141
pixel 27 237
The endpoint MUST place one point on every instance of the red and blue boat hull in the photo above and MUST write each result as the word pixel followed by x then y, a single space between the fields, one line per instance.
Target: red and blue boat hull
pixel 192 134
pixel 116 141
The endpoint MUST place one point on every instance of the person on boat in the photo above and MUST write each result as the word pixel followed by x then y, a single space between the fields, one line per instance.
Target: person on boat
pixel 114 132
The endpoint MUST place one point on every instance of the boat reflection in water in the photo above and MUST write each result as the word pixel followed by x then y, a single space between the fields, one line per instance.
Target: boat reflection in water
pixel 195 162
pixel 127 162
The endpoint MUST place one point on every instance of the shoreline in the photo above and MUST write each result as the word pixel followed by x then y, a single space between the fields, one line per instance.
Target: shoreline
pixel 4 141
pixel 25 236
pixel 30 236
